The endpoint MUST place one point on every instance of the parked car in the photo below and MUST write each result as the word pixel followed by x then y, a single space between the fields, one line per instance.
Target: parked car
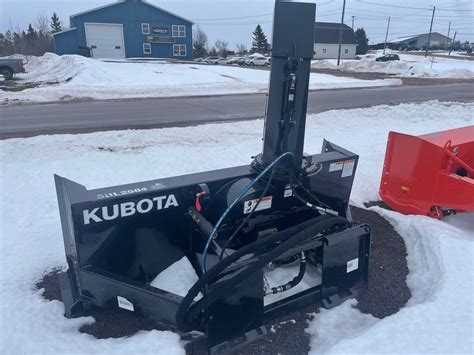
pixel 222 61
pixel 387 58
pixel 8 67
pixel 259 61
pixel 248 60
pixel 234 60
pixel 242 60
pixel 212 60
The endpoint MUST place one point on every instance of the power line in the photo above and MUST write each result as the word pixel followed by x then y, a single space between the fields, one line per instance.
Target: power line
pixel 394 6
pixel 236 23
pixel 403 7
pixel 251 16
pixel 232 18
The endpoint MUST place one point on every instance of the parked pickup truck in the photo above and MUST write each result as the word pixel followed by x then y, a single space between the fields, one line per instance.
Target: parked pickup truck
pixel 8 67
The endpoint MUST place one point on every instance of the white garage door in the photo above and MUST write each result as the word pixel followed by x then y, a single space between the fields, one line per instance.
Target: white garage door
pixel 105 40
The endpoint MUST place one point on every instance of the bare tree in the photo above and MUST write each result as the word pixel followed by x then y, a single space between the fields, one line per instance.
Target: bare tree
pixel 241 48
pixel 42 24
pixel 36 40
pixel 222 47
pixel 44 42
pixel 199 43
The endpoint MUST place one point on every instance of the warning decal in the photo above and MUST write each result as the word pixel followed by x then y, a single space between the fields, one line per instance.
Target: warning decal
pixel 265 204
pixel 338 166
pixel 348 169
pixel 125 304
pixel 352 265
pixel 288 191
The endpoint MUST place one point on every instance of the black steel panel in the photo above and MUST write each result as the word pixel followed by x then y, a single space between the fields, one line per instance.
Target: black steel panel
pixel 293 28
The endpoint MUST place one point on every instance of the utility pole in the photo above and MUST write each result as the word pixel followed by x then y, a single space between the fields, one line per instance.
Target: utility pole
pixel 340 33
pixel 386 35
pixel 452 43
pixel 429 35
pixel 449 28
pixel 353 22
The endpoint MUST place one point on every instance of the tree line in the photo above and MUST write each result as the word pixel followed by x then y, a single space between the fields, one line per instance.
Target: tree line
pixel 36 39
pixel 201 47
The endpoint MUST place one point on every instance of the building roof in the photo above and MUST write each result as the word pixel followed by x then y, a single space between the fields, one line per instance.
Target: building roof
pixel 414 37
pixel 122 1
pixel 328 32
pixel 64 31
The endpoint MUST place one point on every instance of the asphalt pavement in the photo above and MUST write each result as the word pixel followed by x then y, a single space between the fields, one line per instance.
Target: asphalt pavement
pixel 92 116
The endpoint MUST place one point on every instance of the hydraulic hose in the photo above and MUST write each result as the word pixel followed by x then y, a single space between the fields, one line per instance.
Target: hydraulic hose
pixel 239 197
pixel 288 238
pixel 292 283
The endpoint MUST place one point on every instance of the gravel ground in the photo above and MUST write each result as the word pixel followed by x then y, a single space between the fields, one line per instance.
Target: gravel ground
pixel 385 293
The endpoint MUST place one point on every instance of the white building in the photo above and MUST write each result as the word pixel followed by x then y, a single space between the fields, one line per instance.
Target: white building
pixel 326 41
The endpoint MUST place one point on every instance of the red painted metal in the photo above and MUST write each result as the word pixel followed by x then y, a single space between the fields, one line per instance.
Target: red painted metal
pixel 432 174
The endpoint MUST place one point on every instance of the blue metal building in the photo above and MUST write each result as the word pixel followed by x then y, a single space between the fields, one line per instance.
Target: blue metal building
pixel 127 29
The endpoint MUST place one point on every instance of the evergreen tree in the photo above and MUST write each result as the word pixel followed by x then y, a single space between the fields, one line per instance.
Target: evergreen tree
pixel 56 25
pixel 31 34
pixel 362 41
pixel 260 42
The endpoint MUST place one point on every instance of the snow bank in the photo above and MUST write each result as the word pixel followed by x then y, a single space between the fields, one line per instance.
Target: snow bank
pixel 71 77
pixel 407 66
pixel 438 318
pixel 440 255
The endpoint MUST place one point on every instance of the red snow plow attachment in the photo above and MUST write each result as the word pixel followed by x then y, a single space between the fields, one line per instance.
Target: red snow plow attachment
pixel 431 175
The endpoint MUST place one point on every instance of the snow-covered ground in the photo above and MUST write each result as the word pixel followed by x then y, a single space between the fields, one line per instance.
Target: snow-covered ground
pixel 409 65
pixel 69 77
pixel 438 318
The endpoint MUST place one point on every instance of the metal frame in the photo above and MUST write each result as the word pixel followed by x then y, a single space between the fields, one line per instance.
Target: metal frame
pixel 117 239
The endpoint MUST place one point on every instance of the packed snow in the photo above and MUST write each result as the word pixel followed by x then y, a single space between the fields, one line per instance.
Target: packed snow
pixel 409 65
pixel 438 318
pixel 178 278
pixel 72 77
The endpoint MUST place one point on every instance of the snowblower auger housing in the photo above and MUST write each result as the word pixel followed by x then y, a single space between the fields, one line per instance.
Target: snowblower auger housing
pixel 431 174
pixel 260 240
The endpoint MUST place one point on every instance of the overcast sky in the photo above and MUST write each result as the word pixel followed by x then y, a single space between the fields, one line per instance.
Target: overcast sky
pixel 234 20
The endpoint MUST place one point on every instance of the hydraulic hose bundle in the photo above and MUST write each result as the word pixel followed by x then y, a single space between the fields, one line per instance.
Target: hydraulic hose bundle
pixel 287 238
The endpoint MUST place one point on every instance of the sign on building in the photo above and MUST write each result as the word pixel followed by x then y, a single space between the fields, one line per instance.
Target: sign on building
pixel 161 30
pixel 160 39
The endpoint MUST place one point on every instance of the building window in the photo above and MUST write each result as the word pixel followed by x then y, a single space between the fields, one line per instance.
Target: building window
pixel 179 50
pixel 145 28
pixel 146 48
pixel 346 51
pixel 324 50
pixel 179 31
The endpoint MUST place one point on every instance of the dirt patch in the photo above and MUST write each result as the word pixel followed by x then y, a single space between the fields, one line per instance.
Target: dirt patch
pixel 384 295
pixel 435 81
pixel 387 291
pixel 357 75
pixel 70 98
pixel 229 77
pixel 411 81
pixel 15 86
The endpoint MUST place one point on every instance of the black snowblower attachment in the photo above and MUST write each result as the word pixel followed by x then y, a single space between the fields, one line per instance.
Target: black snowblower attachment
pixel 257 241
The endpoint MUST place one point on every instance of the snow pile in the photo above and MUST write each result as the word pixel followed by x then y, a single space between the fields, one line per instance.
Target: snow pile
pixel 178 278
pixel 78 77
pixel 438 318
pixel 408 65
pixel 51 68
pixel 440 255
pixel 283 274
